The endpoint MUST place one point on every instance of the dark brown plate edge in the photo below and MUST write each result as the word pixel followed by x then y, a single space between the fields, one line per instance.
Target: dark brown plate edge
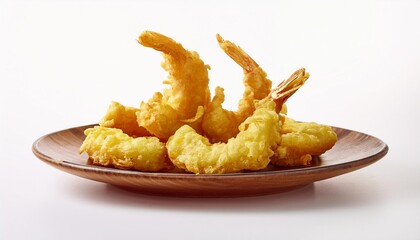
pixel 355 164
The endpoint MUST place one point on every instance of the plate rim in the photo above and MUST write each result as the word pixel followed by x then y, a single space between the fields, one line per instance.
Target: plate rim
pixel 134 173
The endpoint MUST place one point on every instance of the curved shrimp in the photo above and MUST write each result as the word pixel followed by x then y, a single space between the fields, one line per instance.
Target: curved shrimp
pixel 251 149
pixel 188 95
pixel 302 140
pixel 220 124
pixel 299 140
pixel 111 147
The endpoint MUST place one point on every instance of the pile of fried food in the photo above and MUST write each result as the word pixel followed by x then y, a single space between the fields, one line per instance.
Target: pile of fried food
pixel 183 128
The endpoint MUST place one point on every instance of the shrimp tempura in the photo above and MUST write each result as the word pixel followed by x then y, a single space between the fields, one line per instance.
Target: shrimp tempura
pixel 220 124
pixel 251 149
pixel 188 95
pixel 302 140
pixel 111 147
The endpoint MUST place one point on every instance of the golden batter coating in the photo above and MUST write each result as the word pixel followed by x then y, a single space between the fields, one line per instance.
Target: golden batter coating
pixel 188 95
pixel 219 124
pixel 302 140
pixel 251 149
pixel 111 147
pixel 124 118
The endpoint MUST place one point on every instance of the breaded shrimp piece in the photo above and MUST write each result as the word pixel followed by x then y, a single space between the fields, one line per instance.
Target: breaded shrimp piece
pixel 124 118
pixel 251 149
pixel 302 140
pixel 112 147
pixel 299 140
pixel 188 95
pixel 256 83
pixel 220 124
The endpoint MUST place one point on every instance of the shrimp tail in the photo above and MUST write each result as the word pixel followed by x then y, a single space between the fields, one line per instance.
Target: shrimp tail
pixel 237 54
pixel 287 88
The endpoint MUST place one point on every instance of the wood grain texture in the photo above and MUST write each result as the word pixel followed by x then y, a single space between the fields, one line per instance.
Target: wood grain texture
pixel 353 150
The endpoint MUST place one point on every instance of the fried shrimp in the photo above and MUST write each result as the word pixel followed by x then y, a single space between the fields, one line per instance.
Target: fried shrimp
pixel 220 124
pixel 302 140
pixel 188 95
pixel 124 118
pixel 299 140
pixel 181 127
pixel 250 149
pixel 112 147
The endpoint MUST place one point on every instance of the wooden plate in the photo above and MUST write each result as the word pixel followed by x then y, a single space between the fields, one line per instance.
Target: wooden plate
pixel 353 150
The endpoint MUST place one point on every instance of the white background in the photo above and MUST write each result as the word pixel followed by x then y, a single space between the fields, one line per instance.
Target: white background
pixel 63 62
